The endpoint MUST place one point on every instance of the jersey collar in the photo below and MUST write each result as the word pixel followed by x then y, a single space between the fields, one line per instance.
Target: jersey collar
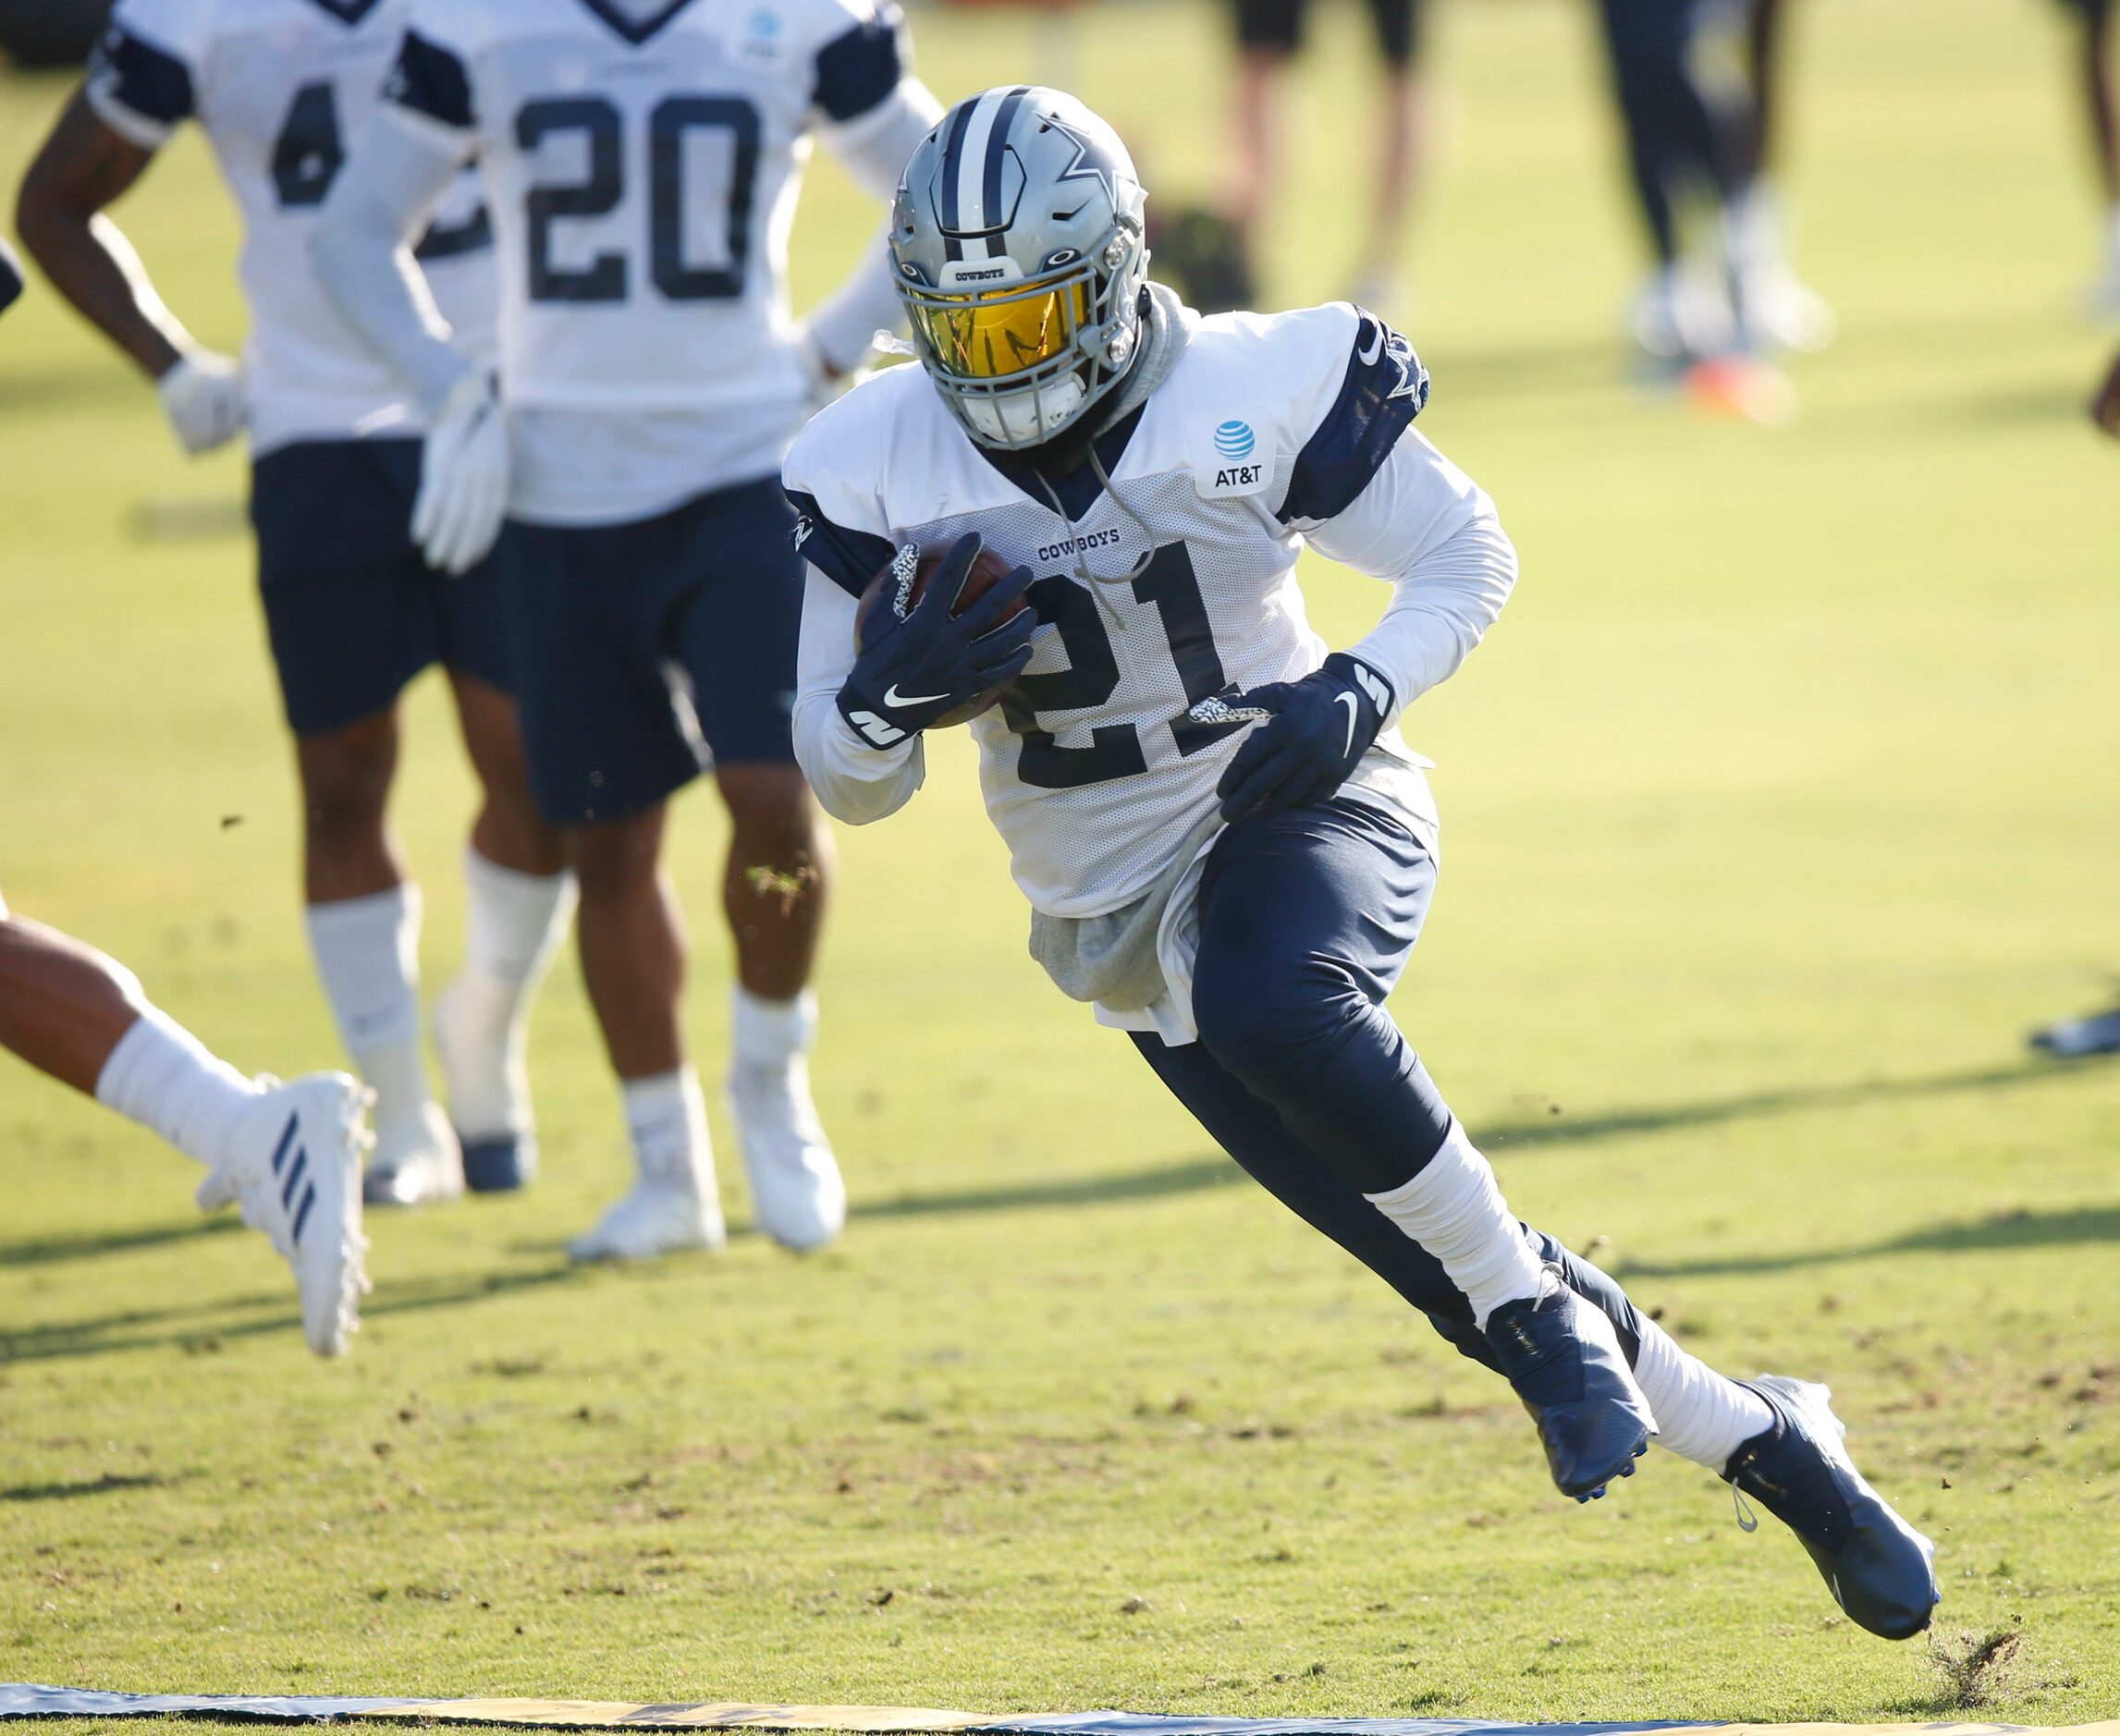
pixel 348 12
pixel 635 33
pixel 1078 489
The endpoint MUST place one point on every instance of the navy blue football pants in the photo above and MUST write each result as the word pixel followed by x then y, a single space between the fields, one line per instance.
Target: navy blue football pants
pixel 1306 920
pixel 1678 133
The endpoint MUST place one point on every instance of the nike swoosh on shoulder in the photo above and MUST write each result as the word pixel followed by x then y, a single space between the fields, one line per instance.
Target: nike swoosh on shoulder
pixel 1354 711
pixel 893 697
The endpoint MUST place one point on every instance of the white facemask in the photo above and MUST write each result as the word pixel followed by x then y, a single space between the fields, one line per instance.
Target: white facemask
pixel 1027 418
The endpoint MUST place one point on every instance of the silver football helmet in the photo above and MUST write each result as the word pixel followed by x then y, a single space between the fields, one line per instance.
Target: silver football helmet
pixel 1018 241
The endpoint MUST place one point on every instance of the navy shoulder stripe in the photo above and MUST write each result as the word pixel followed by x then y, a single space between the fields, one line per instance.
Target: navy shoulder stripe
pixel 1386 387
pixel 143 78
pixel 858 69
pixel 849 559
pixel 431 81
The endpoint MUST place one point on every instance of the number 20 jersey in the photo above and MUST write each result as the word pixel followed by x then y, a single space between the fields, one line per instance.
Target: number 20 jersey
pixel 284 89
pixel 642 162
pixel 1092 769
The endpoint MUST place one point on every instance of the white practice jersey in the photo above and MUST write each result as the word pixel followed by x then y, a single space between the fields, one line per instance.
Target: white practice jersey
pixel 285 89
pixel 642 159
pixel 1267 429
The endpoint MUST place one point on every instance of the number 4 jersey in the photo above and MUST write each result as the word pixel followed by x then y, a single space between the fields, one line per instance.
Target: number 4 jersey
pixel 1168 587
pixel 284 89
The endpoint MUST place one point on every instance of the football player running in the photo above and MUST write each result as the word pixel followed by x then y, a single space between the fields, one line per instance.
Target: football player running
pixel 1225 843
pixel 290 1155
pixel 354 611
pixel 642 159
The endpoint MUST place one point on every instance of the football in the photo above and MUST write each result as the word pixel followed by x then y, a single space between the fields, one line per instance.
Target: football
pixel 987 571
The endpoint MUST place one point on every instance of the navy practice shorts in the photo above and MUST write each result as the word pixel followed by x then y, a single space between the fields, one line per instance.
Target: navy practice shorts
pixel 1278 24
pixel 351 608
pixel 645 651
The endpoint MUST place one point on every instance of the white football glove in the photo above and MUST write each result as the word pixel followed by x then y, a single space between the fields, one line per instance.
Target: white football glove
pixel 463 477
pixel 203 397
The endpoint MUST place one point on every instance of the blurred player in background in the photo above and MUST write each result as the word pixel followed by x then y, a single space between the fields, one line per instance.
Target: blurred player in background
pixel 1694 137
pixel 1268 34
pixel 2094 22
pixel 1225 843
pixel 642 159
pixel 2099 1032
pixel 290 1155
pixel 284 89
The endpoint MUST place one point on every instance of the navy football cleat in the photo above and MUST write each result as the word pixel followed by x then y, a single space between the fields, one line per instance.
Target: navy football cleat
pixel 1880 1569
pixel 2075 1039
pixel 1561 1354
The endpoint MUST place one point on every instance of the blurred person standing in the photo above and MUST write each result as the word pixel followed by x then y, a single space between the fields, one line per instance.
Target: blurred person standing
pixel 1695 134
pixel 642 159
pixel 2098 1033
pixel 1269 32
pixel 284 89
pixel 290 1155
pixel 2095 70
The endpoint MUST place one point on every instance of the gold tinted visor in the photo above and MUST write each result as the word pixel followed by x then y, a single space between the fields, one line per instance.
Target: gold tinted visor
pixel 987 337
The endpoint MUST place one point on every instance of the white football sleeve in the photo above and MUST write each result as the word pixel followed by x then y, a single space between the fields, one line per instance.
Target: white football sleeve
pixel 380 203
pixel 853 781
pixel 1426 527
pixel 874 148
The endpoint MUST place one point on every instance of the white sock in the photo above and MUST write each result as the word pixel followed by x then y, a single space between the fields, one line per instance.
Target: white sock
pixel 514 925
pixel 666 1113
pixel 1701 1415
pixel 162 1077
pixel 368 957
pixel 770 1033
pixel 1455 1211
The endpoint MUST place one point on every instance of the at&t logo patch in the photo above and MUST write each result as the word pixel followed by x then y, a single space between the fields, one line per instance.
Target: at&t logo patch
pixel 1232 455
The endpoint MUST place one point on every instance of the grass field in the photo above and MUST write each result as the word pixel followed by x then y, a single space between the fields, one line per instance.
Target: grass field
pixel 1780 805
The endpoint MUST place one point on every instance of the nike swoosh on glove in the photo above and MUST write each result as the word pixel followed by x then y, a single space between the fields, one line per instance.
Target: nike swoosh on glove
pixel 1321 728
pixel 921 665
pixel 203 396
pixel 463 477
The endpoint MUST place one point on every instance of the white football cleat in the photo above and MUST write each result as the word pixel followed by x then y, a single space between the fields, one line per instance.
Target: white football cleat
pixel 294 1166
pixel 1783 312
pixel 1681 312
pixel 796 1191
pixel 489 1096
pixel 417 1160
pixel 662 1214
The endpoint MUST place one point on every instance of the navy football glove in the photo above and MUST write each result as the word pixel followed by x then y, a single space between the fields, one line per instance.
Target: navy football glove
pixel 1321 725
pixel 920 666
